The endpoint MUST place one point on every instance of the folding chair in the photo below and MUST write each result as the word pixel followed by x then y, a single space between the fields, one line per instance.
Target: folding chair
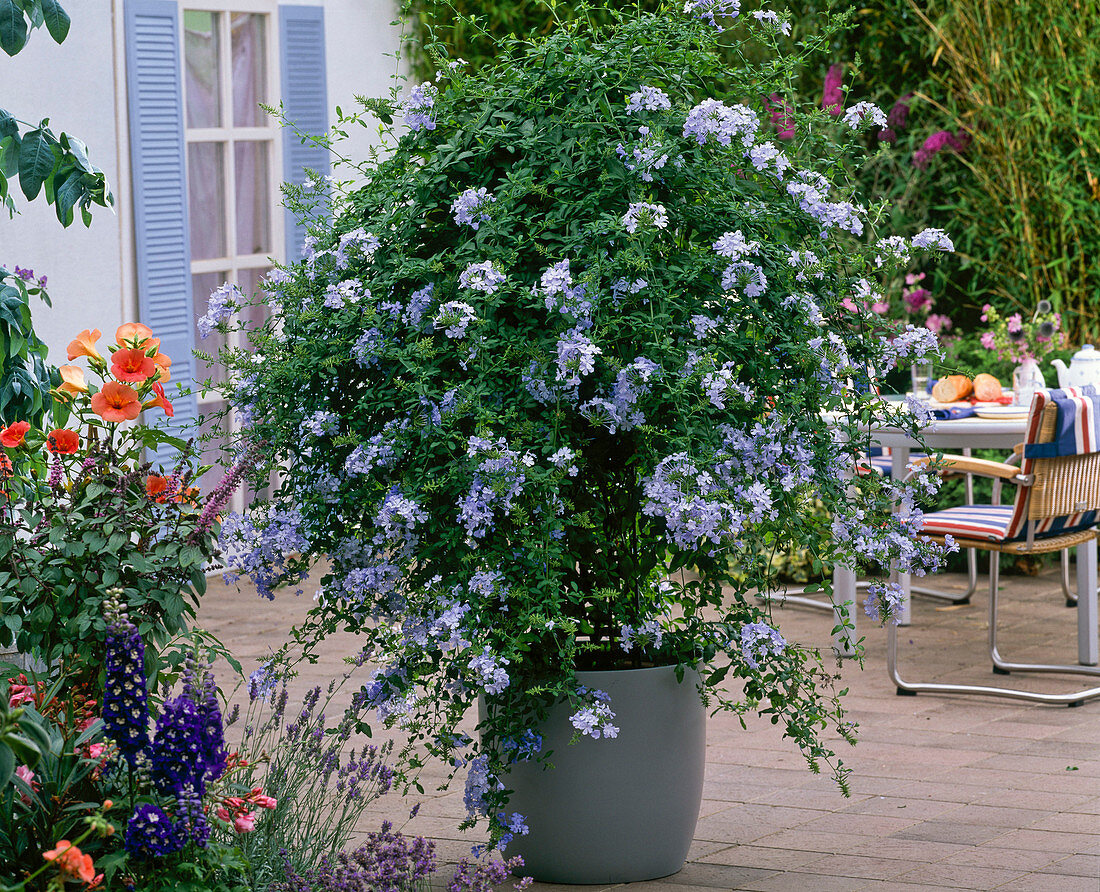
pixel 1056 507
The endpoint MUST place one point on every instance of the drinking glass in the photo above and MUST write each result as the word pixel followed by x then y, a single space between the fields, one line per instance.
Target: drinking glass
pixel 922 376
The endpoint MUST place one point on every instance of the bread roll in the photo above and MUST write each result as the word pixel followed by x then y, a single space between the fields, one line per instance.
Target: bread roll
pixel 952 389
pixel 987 388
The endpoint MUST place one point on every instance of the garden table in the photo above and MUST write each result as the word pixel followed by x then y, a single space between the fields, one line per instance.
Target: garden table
pixel 959 435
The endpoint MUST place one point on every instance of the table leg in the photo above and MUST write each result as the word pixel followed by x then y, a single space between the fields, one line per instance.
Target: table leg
pixel 1088 653
pixel 844 597
pixel 899 464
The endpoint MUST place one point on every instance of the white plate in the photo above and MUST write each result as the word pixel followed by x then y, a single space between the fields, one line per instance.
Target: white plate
pixel 1004 413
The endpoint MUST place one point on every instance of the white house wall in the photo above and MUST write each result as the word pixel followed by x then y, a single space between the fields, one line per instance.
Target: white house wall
pixel 74 85
pixel 80 85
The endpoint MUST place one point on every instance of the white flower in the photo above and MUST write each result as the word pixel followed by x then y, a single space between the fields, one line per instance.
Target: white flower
pixel 864 114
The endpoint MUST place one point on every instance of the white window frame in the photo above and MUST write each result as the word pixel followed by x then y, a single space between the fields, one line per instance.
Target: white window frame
pixel 233 264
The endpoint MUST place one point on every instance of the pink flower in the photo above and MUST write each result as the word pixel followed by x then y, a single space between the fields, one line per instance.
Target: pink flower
pixel 880 307
pixel 919 300
pixel 245 823
pixel 987 340
pixel 258 797
pixel 913 278
pixel 27 776
pixel 20 694
pixel 1014 322
pixel 832 97
pixel 848 304
pixel 223 814
pixel 938 323
pixel 936 143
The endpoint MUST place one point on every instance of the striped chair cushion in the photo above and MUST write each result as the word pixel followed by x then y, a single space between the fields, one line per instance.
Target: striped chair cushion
pixel 987 522
pixel 881 461
pixel 991 523
pixel 1078 424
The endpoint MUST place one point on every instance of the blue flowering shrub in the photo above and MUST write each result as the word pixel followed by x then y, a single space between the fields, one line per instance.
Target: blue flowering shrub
pixel 552 386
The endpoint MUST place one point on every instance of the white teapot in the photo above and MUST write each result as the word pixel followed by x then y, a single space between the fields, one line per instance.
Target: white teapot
pixel 1083 369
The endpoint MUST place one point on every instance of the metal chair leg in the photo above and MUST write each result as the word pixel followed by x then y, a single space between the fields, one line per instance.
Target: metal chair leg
pixel 972 579
pixel 1071 596
pixel 1006 666
pixel 909 687
pixel 971 559
pixel 783 598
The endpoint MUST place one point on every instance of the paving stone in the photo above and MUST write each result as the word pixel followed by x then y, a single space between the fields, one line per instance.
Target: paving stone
pixel 947 792
pixel 1048 882
pixel 868 867
pixel 1079 865
pixel 960 876
pixel 764 856
pixel 950 831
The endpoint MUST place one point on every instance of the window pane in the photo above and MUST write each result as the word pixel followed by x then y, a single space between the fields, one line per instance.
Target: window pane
pixel 258 312
pixel 253 200
pixel 200 52
pixel 249 69
pixel 202 284
pixel 206 199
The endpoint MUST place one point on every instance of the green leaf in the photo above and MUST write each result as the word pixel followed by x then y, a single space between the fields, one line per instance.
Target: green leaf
pixel 56 19
pixel 13 27
pixel 7 764
pixel 8 125
pixel 9 156
pixel 34 733
pixel 68 194
pixel 35 161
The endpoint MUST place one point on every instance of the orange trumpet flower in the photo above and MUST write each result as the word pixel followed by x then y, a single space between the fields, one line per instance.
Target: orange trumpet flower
pixel 84 344
pixel 14 433
pixel 63 441
pixel 116 402
pixel 72 380
pixel 134 334
pixel 159 399
pixel 131 364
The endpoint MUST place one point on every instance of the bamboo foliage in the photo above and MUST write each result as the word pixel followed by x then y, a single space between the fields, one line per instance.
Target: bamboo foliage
pixel 1022 77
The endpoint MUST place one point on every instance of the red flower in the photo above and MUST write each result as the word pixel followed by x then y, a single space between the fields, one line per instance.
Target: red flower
pixel 116 402
pixel 13 434
pixel 63 441
pixel 72 862
pixel 131 364
pixel 155 487
pixel 159 400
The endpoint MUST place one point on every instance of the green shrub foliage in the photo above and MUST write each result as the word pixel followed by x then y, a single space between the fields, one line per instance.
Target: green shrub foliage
pixel 549 392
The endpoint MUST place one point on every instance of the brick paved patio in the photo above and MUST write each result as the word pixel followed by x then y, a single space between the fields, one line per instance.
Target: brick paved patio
pixel 946 792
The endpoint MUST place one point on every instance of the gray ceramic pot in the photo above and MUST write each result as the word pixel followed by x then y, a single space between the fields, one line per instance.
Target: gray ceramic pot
pixel 618 810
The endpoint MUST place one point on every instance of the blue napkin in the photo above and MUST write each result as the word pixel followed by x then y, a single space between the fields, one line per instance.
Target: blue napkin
pixel 952 412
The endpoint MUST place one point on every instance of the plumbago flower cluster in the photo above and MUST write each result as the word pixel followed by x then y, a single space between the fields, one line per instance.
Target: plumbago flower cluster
pixel 575 372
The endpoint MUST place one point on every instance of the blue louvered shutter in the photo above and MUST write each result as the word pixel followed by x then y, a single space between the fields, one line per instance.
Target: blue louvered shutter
pixel 305 102
pixel 159 163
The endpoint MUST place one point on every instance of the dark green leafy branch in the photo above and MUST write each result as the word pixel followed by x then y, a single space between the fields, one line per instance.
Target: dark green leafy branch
pixel 40 160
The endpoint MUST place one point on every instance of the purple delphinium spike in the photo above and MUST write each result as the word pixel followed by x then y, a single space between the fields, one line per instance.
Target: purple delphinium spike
pixel 125 703
pixel 150 833
pixel 177 750
pixel 200 689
